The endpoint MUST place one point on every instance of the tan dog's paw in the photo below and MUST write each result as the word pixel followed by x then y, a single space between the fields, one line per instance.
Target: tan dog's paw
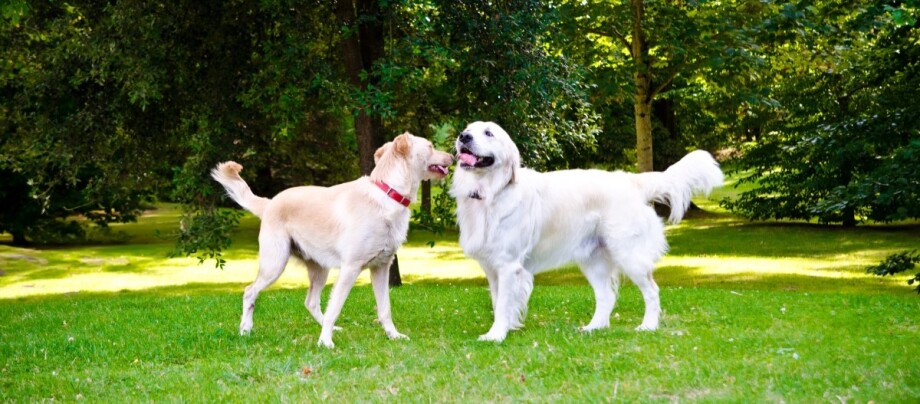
pixel 325 343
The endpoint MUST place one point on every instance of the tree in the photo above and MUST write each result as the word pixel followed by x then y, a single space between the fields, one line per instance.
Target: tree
pixel 645 50
pixel 844 146
pixel 60 112
pixel 362 48
pixel 108 106
pixel 499 66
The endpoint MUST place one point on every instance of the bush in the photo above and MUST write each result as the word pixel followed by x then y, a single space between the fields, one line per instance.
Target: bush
pixel 897 263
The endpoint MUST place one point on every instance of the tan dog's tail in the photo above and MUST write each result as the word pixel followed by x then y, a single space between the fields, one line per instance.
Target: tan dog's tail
pixel 696 173
pixel 228 175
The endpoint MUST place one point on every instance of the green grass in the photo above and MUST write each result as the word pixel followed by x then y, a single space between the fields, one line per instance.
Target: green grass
pixel 752 312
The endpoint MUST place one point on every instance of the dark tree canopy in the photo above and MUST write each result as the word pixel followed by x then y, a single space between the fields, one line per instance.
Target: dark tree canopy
pixel 107 108
pixel 844 146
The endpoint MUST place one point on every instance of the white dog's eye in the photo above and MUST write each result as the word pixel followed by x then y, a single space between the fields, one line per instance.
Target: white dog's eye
pixel 488 133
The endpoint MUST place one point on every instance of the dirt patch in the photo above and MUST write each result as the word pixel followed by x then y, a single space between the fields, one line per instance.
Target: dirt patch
pixel 105 261
pixel 23 257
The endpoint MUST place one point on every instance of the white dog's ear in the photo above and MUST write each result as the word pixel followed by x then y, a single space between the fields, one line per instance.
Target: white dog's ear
pixel 515 161
pixel 401 144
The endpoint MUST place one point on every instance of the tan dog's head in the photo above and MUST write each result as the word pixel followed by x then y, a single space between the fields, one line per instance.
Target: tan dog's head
pixel 485 147
pixel 417 153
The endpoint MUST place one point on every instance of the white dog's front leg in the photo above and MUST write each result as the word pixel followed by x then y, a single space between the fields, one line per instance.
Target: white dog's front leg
pixel 492 277
pixel 380 277
pixel 514 287
pixel 347 276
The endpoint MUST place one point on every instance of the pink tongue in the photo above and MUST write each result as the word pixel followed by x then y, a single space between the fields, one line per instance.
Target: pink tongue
pixel 468 159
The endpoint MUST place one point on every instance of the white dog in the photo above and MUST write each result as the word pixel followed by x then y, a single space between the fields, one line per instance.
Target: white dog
pixel 518 222
pixel 353 225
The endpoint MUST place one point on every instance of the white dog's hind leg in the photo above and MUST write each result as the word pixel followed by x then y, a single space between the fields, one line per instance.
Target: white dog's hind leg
pixel 273 256
pixel 605 282
pixel 514 287
pixel 380 277
pixel 348 274
pixel 643 279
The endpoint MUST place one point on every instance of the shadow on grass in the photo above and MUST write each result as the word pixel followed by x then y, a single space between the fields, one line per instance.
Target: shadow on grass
pixel 24 267
pixel 673 276
pixel 723 235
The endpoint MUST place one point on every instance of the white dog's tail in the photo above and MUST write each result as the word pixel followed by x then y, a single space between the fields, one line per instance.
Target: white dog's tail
pixel 696 173
pixel 228 175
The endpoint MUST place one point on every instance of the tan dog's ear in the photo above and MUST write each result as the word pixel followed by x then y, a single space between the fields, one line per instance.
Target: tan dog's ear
pixel 380 151
pixel 401 144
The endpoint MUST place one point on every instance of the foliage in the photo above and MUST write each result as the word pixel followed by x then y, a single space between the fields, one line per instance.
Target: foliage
pixel 502 70
pixel 107 106
pixel 897 263
pixel 700 58
pixel 440 215
pixel 59 117
pixel 843 147
pixel 205 234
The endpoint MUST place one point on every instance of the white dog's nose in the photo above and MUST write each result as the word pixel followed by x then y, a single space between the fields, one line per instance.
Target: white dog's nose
pixel 466 137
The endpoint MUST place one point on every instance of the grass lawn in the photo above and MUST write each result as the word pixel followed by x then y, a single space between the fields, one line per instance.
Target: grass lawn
pixel 752 312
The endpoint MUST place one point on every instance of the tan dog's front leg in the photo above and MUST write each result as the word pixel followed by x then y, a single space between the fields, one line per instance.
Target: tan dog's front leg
pixel 380 277
pixel 348 274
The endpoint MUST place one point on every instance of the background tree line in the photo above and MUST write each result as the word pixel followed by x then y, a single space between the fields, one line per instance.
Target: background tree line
pixel 107 108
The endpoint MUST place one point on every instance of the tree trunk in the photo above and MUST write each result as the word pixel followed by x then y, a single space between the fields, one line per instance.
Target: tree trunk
pixel 426 197
pixel 359 54
pixel 19 238
pixel 644 156
pixel 643 95
pixel 362 46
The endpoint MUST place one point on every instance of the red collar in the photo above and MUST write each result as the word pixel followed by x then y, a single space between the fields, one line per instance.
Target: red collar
pixel 392 193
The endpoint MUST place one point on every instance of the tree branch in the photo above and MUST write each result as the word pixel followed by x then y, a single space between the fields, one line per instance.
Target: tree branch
pixel 615 34
pixel 677 69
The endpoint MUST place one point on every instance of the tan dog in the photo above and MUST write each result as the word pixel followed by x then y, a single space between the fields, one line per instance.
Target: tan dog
pixel 353 225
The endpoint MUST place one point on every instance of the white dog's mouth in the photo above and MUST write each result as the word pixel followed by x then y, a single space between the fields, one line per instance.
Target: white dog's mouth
pixel 469 160
pixel 438 169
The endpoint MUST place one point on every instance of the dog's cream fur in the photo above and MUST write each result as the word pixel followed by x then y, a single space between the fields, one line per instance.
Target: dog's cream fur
pixel 350 226
pixel 518 222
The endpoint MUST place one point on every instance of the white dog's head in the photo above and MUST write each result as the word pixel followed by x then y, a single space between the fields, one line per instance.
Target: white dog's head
pixel 484 148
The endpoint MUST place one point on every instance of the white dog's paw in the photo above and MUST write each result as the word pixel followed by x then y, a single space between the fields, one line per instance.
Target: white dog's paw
pixel 245 328
pixel 593 327
pixel 396 335
pixel 493 337
pixel 325 343
pixel 336 328
pixel 647 327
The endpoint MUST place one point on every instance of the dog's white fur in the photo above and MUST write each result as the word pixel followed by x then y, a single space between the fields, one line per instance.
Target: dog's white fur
pixel 518 222
pixel 350 226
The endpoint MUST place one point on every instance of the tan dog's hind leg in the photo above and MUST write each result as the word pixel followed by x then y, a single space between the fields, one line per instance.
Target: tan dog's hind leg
pixel 318 276
pixel 274 250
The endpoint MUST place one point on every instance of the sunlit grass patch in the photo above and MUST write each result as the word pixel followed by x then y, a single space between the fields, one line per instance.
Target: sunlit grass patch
pixel 706 249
